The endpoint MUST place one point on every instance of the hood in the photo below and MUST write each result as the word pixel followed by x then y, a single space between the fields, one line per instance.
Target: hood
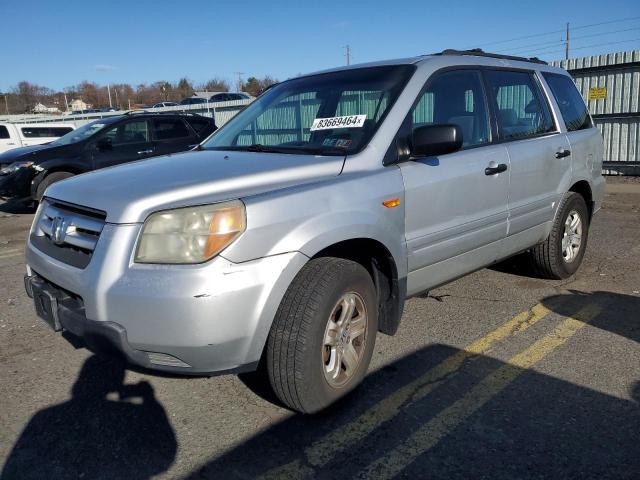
pixel 33 153
pixel 130 192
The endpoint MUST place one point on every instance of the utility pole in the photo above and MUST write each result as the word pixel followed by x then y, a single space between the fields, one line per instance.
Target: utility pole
pixel 566 44
pixel 109 92
pixel 6 103
pixel 116 92
pixel 348 54
pixel 66 103
pixel 239 84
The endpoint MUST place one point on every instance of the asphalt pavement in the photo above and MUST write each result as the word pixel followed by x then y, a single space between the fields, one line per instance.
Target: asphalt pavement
pixel 497 375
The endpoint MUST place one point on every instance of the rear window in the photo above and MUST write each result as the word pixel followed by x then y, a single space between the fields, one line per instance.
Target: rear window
pixel 572 107
pixel 44 132
pixel 4 133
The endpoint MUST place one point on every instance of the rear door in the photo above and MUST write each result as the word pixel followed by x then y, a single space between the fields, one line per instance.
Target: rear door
pixel 539 172
pixel 123 143
pixel 8 138
pixel 456 211
pixel 172 135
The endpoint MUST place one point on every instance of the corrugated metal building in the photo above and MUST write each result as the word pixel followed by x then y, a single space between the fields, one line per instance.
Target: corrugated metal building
pixel 611 86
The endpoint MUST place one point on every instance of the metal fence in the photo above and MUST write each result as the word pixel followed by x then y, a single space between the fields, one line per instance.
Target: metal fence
pixel 610 84
pixel 221 112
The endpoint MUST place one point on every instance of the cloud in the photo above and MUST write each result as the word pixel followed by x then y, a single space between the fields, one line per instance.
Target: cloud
pixel 103 67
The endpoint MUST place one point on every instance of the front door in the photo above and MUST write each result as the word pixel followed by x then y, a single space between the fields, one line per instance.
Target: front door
pixel 172 135
pixel 125 142
pixel 456 209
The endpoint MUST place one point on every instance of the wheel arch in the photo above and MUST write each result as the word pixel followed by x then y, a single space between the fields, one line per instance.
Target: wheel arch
pixel 583 188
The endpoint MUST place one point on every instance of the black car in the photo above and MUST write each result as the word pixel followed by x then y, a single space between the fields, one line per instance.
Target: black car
pixel 193 101
pixel 26 172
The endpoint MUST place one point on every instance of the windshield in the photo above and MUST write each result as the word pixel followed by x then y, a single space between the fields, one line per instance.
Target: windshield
pixel 334 113
pixel 81 133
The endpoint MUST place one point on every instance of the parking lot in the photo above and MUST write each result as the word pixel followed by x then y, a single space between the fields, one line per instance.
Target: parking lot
pixel 497 375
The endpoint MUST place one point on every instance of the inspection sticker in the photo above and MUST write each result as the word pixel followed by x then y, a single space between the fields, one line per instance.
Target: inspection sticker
pixel 348 121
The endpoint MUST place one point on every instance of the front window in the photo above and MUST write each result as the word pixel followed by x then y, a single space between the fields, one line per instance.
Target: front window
pixel 334 113
pixel 81 133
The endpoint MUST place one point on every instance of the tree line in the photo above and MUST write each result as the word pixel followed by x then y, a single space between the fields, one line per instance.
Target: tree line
pixel 23 97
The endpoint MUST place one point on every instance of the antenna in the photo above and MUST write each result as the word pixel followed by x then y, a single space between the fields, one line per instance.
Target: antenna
pixel 566 44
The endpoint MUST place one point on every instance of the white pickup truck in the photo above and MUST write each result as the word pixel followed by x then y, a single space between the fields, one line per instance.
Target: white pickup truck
pixel 14 135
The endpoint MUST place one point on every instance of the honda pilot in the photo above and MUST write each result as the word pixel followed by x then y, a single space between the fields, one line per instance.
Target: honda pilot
pixel 295 233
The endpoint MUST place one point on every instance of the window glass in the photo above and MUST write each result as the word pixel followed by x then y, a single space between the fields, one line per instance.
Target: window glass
pixel 521 110
pixel 455 98
pixel 130 132
pixel 572 107
pixel 44 132
pixel 169 128
pixel 335 113
pixel 198 124
pixel 4 133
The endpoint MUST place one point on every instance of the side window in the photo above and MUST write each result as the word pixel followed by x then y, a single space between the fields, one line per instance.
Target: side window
pixel 44 132
pixel 4 133
pixel 455 97
pixel 522 111
pixel 198 124
pixel 130 132
pixel 169 128
pixel 572 107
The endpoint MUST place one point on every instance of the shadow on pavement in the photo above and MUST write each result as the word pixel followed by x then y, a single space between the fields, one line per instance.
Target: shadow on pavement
pixel 106 430
pixel 536 426
pixel 17 206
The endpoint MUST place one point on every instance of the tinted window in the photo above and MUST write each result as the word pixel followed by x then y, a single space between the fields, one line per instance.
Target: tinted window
pixel 168 128
pixel 572 107
pixel 198 124
pixel 455 98
pixel 130 132
pixel 42 132
pixel 4 133
pixel 521 110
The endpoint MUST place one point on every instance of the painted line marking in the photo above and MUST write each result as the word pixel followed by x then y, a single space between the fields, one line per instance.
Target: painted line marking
pixel 323 450
pixel 427 436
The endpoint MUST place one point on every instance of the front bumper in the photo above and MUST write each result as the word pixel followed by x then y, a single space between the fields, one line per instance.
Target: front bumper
pixel 213 317
pixel 17 184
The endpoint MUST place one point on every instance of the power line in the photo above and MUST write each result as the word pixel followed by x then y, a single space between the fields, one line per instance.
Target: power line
pixel 588 46
pixel 558 31
pixel 527 48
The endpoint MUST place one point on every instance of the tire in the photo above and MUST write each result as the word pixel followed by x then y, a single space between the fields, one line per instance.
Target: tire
pixel 299 362
pixel 551 259
pixel 48 180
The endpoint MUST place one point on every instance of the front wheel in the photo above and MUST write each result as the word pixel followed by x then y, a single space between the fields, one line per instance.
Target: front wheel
pixel 560 255
pixel 49 180
pixel 322 338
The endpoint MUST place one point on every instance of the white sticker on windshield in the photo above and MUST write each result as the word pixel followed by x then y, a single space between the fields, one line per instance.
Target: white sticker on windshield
pixel 349 121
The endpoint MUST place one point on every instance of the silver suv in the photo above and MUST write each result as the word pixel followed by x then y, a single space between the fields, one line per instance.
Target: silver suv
pixel 294 234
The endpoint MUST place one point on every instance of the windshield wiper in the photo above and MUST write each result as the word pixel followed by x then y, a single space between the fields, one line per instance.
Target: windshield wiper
pixel 258 147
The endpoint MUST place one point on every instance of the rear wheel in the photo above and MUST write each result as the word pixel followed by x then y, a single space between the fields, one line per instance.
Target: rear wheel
pixel 48 180
pixel 560 255
pixel 322 338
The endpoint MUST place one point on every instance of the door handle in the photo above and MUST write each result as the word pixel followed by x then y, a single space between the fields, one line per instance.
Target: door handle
pixel 501 167
pixel 144 152
pixel 563 152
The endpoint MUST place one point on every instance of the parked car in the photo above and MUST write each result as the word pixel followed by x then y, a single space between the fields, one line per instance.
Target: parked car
pixel 226 97
pixel 193 101
pixel 15 135
pixel 165 104
pixel 26 172
pixel 298 230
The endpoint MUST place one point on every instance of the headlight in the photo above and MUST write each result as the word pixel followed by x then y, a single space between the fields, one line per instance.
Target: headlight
pixel 190 235
pixel 14 167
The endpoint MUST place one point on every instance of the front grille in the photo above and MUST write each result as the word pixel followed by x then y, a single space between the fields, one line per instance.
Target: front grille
pixel 69 233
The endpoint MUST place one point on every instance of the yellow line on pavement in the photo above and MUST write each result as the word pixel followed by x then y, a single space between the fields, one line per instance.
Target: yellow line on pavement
pixel 322 451
pixel 427 436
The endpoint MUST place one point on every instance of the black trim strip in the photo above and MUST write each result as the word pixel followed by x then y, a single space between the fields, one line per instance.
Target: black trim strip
pixel 603 68
pixel 604 116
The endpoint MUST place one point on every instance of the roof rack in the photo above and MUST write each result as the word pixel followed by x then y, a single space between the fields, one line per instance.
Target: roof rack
pixel 172 112
pixel 478 52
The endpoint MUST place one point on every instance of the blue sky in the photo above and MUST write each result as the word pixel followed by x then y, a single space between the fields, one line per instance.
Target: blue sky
pixel 60 43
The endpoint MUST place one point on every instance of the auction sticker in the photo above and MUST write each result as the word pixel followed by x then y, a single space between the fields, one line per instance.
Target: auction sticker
pixel 348 121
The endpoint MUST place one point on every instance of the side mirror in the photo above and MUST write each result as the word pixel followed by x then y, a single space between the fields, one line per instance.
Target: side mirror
pixel 432 140
pixel 104 144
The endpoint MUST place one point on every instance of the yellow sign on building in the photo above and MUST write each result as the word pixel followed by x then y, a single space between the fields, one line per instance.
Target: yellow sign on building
pixel 597 93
